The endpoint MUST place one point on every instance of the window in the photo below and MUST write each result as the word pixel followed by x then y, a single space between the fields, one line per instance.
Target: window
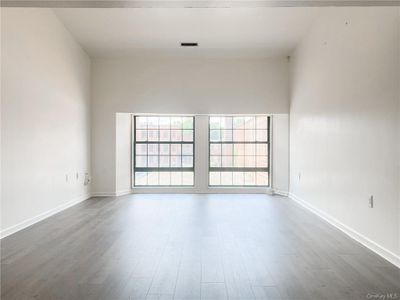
pixel 163 151
pixel 239 151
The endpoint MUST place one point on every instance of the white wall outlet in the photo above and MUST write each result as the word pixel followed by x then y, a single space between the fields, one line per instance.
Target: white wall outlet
pixel 371 201
pixel 66 178
pixel 299 176
pixel 77 175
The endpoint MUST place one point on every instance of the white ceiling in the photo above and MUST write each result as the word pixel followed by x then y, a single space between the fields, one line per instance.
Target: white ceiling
pixel 267 31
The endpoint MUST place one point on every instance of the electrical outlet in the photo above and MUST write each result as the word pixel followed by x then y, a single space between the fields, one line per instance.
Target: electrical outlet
pixel 66 178
pixel 371 201
pixel 77 175
pixel 299 176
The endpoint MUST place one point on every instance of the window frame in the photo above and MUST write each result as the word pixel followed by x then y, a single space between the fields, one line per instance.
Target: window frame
pixel 240 169
pixel 161 169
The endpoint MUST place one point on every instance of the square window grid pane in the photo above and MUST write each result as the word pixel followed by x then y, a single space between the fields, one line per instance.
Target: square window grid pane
pixel 176 149
pixel 165 135
pixel 226 135
pixel 215 149
pixel 164 178
pixel 227 161
pixel 187 123
pixel 215 161
pixel 215 135
pixel 141 122
pixel 227 149
pixel 152 122
pixel 141 161
pixel 164 161
pixel 176 178
pixel 164 122
pixel 215 178
pixel 152 135
pixel 187 178
pixel 176 135
pixel 141 149
pixel 176 161
pixel 141 135
pixel 238 178
pixel 176 123
pixel 140 178
pixel 152 178
pixel 226 178
pixel 187 135
pixel 164 149
pixel 152 149
pixel 215 122
pixel 187 161
pixel 152 161
pixel 187 149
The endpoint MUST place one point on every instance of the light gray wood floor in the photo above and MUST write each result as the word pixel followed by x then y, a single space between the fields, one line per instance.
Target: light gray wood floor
pixel 190 247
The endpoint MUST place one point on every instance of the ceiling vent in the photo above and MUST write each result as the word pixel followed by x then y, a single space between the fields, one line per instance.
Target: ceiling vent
pixel 189 44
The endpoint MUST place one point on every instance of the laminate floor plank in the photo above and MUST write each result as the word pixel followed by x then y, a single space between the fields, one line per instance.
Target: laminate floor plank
pixel 146 247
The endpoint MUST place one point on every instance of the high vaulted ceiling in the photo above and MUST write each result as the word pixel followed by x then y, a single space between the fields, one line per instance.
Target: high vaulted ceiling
pixel 268 31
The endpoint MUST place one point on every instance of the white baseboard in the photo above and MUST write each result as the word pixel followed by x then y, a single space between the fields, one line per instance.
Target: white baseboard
pixel 104 194
pixel 280 192
pixel 124 192
pixel 26 223
pixel 373 246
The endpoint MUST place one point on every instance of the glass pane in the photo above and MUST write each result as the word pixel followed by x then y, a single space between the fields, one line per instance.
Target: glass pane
pixel 164 161
pixel 262 149
pixel 176 122
pixel 215 149
pixel 164 149
pixel 226 135
pixel 140 178
pixel 215 135
pixel 238 135
pixel 141 123
pixel 239 161
pixel 141 161
pixel 164 122
pixel 187 123
pixel 249 161
pixel 141 149
pixel 226 122
pixel 176 135
pixel 250 149
pixel 249 135
pixel 215 122
pixel 152 178
pixel 187 178
pixel 175 161
pixel 227 149
pixel 153 149
pixel 165 135
pixel 262 161
pixel 176 178
pixel 227 161
pixel 250 123
pixel 249 178
pixel 238 122
pixel 262 178
pixel 152 122
pixel 141 135
pixel 215 161
pixel 226 178
pixel 262 122
pixel 165 178
pixel 239 149
pixel 176 149
pixel 187 161
pixel 215 178
pixel 152 161
pixel 187 149
pixel 262 135
pixel 153 135
pixel 238 178
pixel 187 135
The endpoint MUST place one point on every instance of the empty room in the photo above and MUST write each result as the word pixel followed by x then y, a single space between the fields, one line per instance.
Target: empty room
pixel 198 149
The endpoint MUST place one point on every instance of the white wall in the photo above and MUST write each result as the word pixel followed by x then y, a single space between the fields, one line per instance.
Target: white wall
pixel 45 117
pixel 185 86
pixel 344 122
